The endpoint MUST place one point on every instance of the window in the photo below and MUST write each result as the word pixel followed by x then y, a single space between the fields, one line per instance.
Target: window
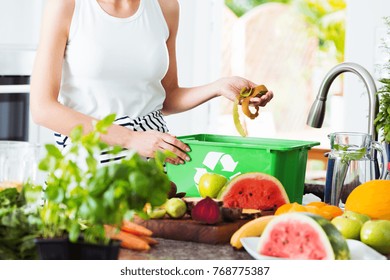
pixel 288 46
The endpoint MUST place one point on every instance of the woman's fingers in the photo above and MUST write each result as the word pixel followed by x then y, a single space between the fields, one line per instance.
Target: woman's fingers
pixel 148 142
pixel 173 161
pixel 262 101
pixel 174 145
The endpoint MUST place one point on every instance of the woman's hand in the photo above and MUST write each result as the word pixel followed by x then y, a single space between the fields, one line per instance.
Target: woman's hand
pixel 230 88
pixel 146 143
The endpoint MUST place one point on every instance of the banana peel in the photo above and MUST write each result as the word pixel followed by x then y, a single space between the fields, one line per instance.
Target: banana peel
pixel 252 228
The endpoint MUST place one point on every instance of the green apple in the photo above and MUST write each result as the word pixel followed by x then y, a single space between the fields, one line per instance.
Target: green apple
pixel 176 207
pixel 210 184
pixel 376 234
pixel 349 228
pixel 356 216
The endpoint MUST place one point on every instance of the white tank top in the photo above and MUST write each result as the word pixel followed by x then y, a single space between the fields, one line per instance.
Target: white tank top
pixel 115 65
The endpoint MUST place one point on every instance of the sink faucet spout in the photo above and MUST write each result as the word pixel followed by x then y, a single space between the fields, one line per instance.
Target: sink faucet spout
pixel 317 111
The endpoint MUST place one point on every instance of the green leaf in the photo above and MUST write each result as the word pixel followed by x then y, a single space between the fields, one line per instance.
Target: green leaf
pixel 143 215
pixel 158 198
pixel 91 163
pixel 140 184
pixel 109 197
pixel 74 231
pixel 76 133
pixel 103 125
pixel 52 150
pixel 55 194
pixel 116 150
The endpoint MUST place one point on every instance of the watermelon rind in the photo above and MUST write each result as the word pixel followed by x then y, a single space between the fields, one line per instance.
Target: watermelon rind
pixel 225 191
pixel 335 245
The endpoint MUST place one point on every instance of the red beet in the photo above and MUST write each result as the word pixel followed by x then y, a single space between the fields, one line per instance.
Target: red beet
pixel 206 211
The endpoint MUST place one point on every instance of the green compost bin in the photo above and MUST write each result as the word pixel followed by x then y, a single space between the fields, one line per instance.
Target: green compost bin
pixel 232 155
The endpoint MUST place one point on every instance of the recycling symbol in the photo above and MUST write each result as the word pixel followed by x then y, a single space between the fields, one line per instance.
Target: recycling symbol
pixel 210 162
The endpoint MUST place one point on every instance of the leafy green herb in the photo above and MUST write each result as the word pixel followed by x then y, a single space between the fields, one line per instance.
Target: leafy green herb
pixel 18 226
pixel 382 119
pixel 82 195
pixel 347 155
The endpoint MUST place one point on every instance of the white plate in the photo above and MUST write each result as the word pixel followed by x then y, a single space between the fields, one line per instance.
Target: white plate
pixel 358 250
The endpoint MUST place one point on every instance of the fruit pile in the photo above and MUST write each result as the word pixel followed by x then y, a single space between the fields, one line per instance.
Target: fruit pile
pixel 374 233
pixel 205 210
pixel 367 215
pixel 223 200
pixel 319 231
pixel 312 231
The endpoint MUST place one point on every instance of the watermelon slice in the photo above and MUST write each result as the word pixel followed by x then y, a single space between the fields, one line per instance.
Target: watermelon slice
pixel 303 236
pixel 254 190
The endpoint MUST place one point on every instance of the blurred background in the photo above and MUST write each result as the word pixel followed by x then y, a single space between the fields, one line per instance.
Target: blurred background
pixel 288 45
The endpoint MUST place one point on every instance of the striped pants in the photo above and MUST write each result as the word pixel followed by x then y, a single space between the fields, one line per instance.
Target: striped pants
pixel 151 121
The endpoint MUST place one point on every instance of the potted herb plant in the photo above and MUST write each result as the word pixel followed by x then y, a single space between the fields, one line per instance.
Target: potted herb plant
pixel 382 120
pixel 18 225
pixel 82 196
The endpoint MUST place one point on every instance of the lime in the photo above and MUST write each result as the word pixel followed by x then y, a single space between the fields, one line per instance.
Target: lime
pixel 356 216
pixel 349 228
pixel 210 184
pixel 376 234
pixel 175 207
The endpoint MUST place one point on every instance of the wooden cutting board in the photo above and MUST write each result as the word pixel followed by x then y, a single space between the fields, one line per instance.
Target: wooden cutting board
pixel 186 229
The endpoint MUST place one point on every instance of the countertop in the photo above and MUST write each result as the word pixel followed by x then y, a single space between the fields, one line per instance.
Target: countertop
pixel 167 249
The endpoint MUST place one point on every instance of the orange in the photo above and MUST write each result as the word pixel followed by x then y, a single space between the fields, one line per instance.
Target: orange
pixel 371 198
pixel 290 207
pixel 319 208
pixel 312 209
pixel 330 211
pixel 317 204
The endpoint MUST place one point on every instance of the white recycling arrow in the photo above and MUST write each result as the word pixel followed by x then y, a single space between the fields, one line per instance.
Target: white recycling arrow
pixel 231 177
pixel 228 163
pixel 212 159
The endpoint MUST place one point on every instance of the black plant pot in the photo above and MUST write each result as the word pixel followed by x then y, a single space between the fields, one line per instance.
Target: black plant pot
pixel 82 250
pixel 53 248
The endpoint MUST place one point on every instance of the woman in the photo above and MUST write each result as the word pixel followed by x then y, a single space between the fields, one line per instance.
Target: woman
pixel 98 57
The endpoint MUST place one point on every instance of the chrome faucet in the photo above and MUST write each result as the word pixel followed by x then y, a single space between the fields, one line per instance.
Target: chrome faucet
pixel 317 111
pixel 317 114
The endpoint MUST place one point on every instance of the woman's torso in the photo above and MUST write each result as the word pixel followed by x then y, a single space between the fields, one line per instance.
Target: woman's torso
pixel 115 65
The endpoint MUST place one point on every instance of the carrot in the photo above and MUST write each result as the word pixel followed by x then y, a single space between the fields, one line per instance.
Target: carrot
pixel 133 242
pixel 135 229
pixel 128 240
pixel 148 239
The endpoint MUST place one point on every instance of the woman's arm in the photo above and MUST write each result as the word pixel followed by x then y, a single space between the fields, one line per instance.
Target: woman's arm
pixel 182 99
pixel 45 85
